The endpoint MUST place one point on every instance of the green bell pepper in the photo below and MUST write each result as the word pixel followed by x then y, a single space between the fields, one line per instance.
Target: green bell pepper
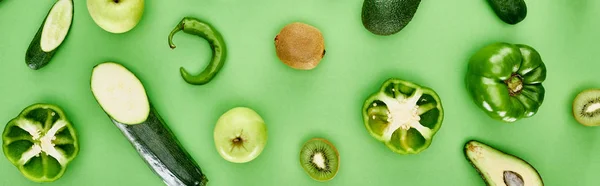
pixel 403 115
pixel 505 81
pixel 40 142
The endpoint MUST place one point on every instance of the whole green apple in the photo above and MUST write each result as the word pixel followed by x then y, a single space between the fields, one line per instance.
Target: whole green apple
pixel 240 135
pixel 116 16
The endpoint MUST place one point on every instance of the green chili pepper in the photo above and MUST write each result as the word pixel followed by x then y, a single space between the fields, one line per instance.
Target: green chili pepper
pixel 215 40
pixel 403 115
pixel 40 142
pixel 505 80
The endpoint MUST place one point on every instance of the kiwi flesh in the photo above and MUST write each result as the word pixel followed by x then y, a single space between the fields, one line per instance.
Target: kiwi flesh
pixel 320 159
pixel 586 107
pixel 300 46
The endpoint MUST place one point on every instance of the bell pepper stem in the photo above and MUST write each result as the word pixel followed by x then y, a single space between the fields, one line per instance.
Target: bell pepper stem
pixel 515 84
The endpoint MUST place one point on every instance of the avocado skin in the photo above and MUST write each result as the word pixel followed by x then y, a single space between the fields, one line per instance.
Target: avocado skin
pixel 509 11
pixel 387 17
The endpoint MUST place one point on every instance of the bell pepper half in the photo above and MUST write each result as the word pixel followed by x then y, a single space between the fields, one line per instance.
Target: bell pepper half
pixel 505 81
pixel 40 142
pixel 403 115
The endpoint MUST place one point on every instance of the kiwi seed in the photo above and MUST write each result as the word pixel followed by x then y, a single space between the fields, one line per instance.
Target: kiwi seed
pixel 586 107
pixel 320 159
pixel 300 46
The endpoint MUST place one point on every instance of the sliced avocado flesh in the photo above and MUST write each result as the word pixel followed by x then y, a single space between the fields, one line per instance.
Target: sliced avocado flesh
pixel 499 168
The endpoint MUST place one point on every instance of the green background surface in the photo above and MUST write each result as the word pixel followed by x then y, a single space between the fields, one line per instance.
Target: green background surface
pixel 298 105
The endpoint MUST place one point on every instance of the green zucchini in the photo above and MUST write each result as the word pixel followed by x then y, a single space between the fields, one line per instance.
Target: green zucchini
pixel 50 35
pixel 123 98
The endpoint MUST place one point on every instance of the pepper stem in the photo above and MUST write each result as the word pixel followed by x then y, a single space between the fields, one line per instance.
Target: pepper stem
pixel 177 28
pixel 515 84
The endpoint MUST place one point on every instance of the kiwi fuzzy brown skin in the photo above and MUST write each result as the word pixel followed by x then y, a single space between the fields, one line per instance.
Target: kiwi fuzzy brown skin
pixel 579 104
pixel 300 46
pixel 331 147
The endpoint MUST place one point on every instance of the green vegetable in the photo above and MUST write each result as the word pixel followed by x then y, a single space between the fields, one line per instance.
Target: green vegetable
pixel 215 40
pixel 40 142
pixel 499 168
pixel 123 97
pixel 509 11
pixel 50 35
pixel 387 17
pixel 505 81
pixel 403 115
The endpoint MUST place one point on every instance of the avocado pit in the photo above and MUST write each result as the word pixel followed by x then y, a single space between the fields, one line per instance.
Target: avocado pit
pixel 513 179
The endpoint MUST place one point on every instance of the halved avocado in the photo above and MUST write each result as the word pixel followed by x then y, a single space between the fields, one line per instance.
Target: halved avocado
pixel 499 168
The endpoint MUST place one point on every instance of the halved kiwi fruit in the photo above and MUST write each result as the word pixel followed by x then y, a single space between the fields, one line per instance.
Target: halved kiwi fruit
pixel 586 107
pixel 300 46
pixel 320 159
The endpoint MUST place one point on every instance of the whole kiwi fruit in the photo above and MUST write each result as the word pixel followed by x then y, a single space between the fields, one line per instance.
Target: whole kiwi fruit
pixel 320 159
pixel 300 46
pixel 586 107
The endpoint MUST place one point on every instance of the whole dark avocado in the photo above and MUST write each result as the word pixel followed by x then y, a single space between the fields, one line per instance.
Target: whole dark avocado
pixel 509 11
pixel 387 17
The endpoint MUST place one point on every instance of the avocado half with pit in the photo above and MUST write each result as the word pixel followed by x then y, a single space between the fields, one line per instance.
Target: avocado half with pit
pixel 499 168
